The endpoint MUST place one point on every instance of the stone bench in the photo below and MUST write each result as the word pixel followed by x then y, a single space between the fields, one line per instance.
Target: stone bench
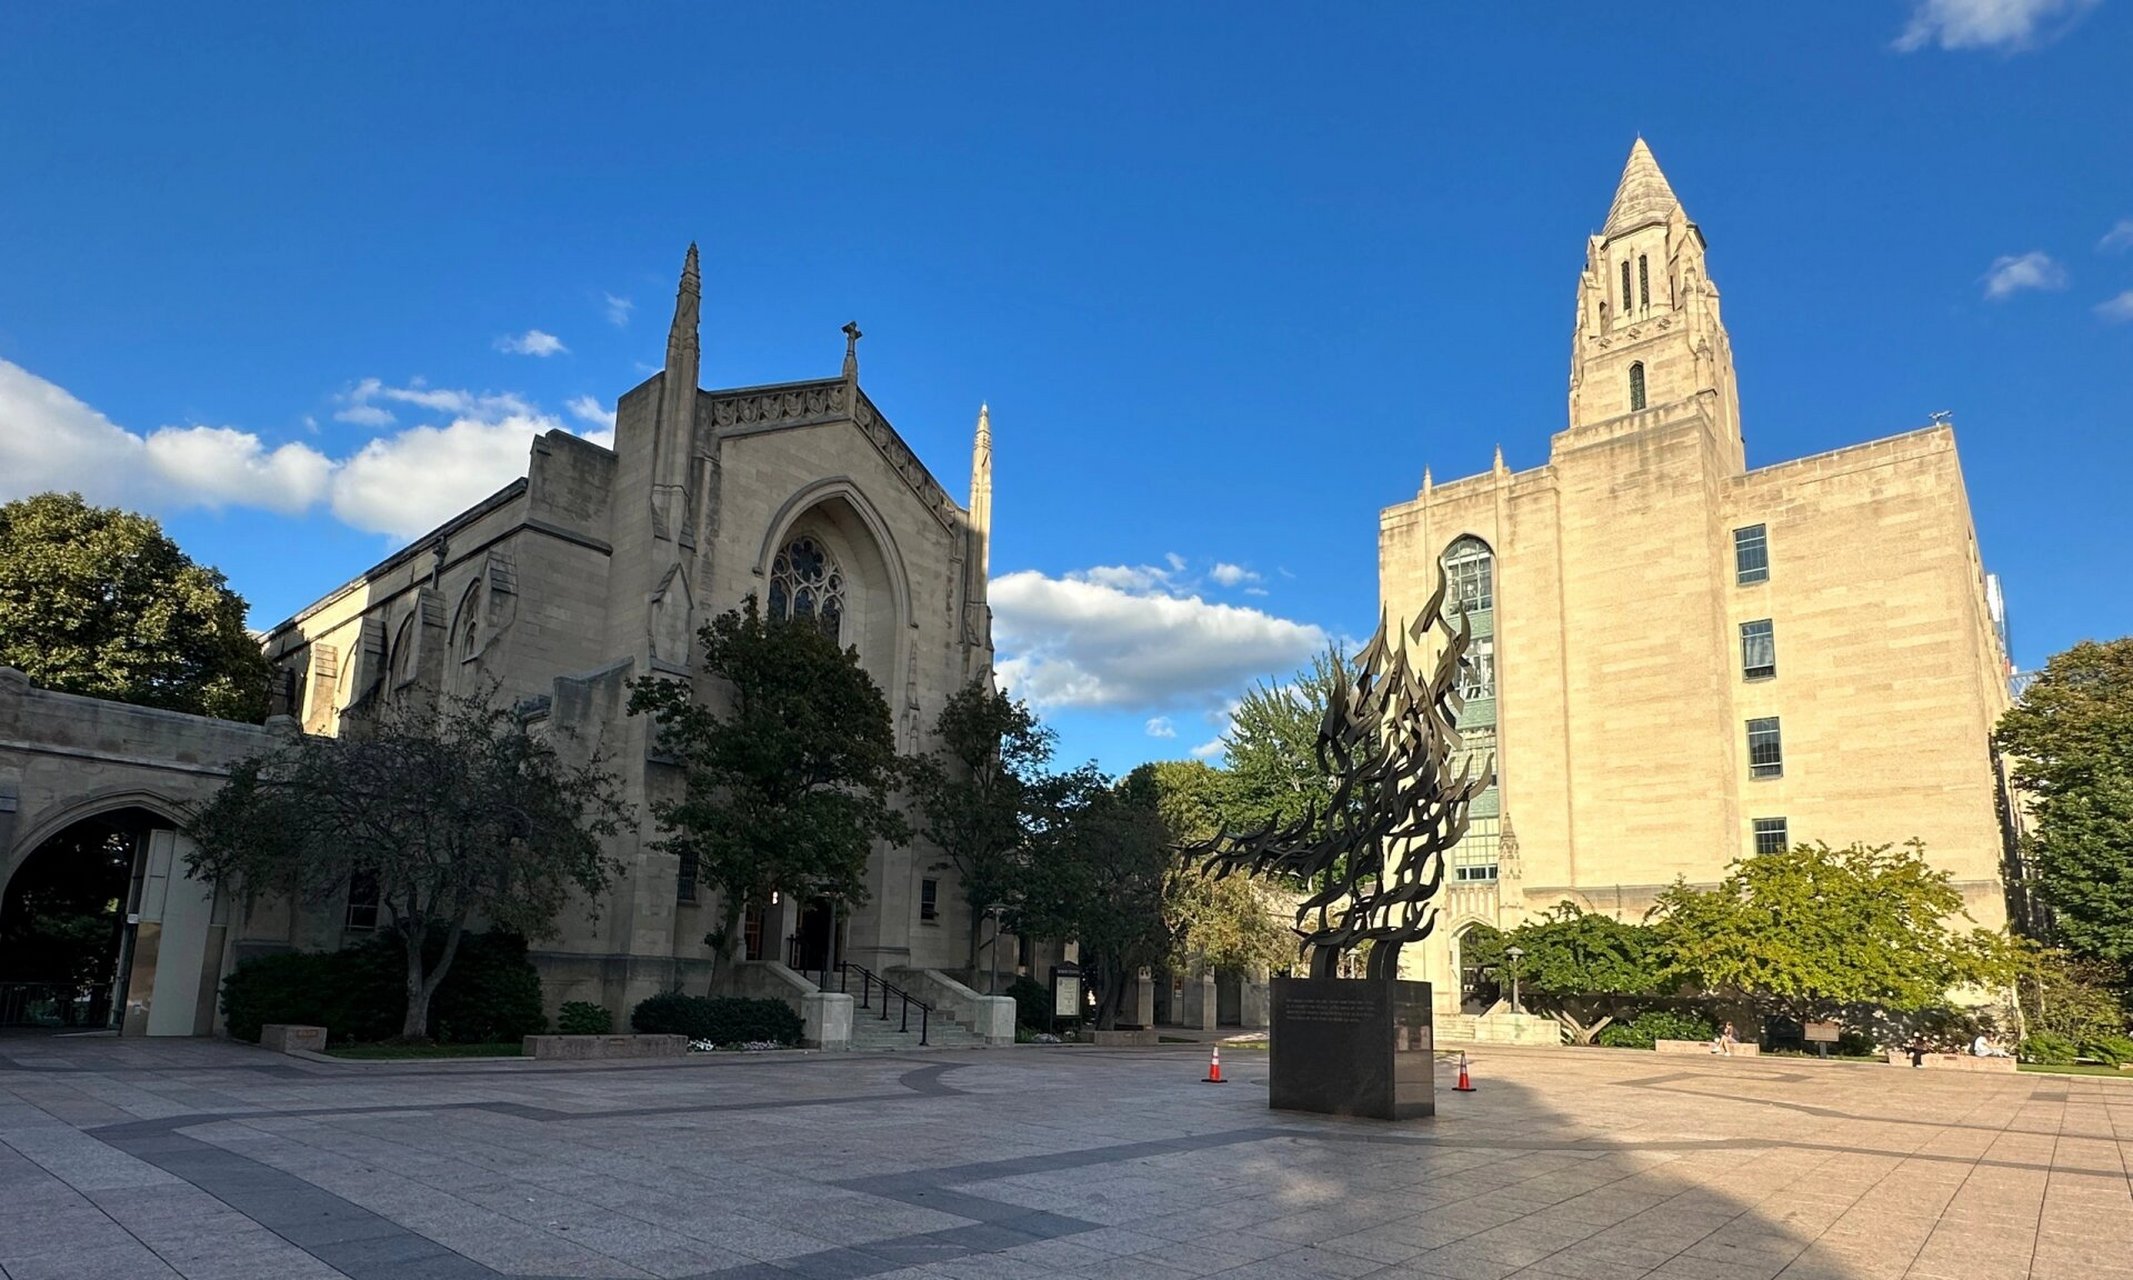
pixel 581 1048
pixel 1741 1050
pixel 1952 1061
pixel 288 1037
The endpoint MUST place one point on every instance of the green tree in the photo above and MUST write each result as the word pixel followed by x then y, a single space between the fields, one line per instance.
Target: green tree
pixel 1102 872
pixel 453 813
pixel 788 789
pixel 2071 737
pixel 99 601
pixel 1810 929
pixel 1273 772
pixel 1578 965
pixel 2067 995
pixel 1228 922
pixel 973 794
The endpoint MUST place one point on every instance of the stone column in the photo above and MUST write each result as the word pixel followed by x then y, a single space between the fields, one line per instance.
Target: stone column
pixel 1144 999
pixel 1254 996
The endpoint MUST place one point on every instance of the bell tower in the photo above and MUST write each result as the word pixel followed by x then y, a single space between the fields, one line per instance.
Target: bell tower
pixel 1648 338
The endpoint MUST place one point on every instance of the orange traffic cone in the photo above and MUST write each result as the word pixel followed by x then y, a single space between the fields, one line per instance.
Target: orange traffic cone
pixel 1214 1066
pixel 1466 1084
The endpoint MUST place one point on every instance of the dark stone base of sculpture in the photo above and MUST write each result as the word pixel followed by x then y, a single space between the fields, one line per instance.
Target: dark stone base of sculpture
pixel 1353 1047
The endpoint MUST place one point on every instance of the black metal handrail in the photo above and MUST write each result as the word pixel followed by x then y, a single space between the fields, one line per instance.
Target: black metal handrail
pixel 868 980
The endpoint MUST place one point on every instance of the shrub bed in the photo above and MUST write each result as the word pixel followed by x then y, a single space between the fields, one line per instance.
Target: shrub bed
pixel 719 1019
pixel 584 1018
pixel 359 994
pixel 1654 1025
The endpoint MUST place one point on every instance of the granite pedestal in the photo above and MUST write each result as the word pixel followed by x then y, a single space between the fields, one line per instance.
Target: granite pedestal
pixel 1352 1047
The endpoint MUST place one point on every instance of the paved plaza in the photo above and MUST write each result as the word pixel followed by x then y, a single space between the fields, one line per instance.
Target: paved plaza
pixel 203 1159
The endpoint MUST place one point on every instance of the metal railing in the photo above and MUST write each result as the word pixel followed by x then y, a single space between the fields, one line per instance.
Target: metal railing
pixel 45 1004
pixel 869 981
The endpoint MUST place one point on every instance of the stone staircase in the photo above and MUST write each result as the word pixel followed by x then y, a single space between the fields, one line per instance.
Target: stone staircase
pixel 871 1034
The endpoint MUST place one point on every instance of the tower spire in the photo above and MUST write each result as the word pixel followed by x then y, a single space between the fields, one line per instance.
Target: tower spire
pixel 675 439
pixel 1642 197
pixel 977 558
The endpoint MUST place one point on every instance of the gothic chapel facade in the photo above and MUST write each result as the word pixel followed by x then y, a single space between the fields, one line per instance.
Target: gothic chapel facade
pixel 601 564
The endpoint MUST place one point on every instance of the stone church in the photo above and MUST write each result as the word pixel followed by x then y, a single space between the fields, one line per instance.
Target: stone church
pixel 1680 660
pixel 601 564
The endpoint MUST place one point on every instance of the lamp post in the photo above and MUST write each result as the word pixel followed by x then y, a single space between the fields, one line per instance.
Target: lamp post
pixel 1516 954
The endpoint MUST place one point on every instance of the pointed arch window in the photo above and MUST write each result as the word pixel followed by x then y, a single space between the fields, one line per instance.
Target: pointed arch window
pixel 1644 284
pixel 1625 286
pixel 807 585
pixel 1636 386
pixel 466 636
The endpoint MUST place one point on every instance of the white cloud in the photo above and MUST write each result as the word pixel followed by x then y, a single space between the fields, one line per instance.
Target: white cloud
pixel 1080 642
pixel 532 342
pixel 618 310
pixel 398 484
pixel 2117 310
pixel 2119 237
pixel 1208 750
pixel 588 410
pixel 1230 575
pixel 1124 577
pixel 224 467
pixel 2007 25
pixel 1176 561
pixel 2013 273
pixel 1160 727
pixel 365 415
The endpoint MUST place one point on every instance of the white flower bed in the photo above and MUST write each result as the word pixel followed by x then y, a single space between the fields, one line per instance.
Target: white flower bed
pixel 748 1046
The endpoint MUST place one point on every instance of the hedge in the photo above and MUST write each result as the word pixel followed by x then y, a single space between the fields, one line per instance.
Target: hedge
pixel 719 1019
pixel 359 994
pixel 1655 1025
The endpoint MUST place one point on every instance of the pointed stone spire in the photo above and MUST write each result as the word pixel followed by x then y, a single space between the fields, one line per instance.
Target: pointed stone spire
pixel 688 308
pixel 977 558
pixel 675 433
pixel 1500 468
pixel 1642 197
pixel 1427 485
pixel 981 495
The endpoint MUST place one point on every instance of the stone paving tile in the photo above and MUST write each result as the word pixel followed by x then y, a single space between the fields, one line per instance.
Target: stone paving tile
pixel 219 1161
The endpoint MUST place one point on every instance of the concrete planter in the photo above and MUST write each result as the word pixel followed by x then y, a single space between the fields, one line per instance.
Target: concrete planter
pixel 1704 1046
pixel 582 1048
pixel 284 1037
pixel 1953 1062
pixel 1144 1038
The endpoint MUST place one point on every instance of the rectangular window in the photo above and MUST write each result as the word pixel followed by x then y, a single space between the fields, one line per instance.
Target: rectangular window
pixel 362 901
pixel 1644 284
pixel 752 934
pixel 1758 650
pixel 1770 835
pixel 1751 555
pixel 1477 670
pixel 929 899
pixel 1766 754
pixel 685 879
pixel 1625 286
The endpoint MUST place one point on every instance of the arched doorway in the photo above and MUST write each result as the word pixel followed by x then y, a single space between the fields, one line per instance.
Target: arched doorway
pixel 102 926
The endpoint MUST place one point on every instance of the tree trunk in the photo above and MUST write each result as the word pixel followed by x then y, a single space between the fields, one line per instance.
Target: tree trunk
pixel 422 986
pixel 729 939
pixel 976 916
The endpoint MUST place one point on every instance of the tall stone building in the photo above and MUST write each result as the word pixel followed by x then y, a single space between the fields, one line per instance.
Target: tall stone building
pixel 601 564
pixel 1680 661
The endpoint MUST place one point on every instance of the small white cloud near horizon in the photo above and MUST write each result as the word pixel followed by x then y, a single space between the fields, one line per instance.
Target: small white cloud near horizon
pixel 591 412
pixel 533 342
pixel 2119 238
pixel 618 310
pixel 1161 727
pixel 2118 310
pixel 2011 274
pixel 2007 25
pixel 1208 750
pixel 1231 575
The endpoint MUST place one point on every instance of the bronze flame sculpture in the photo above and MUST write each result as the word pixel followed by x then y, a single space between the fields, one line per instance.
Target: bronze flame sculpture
pixel 1373 856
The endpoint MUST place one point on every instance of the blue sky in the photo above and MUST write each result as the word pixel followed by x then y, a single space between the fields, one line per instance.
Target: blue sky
pixel 1229 275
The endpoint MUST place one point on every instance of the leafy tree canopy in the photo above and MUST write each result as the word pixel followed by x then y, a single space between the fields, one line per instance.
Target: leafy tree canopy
pixel 1230 922
pixel 2072 742
pixel 1271 749
pixel 1811 928
pixel 1101 871
pixel 1572 952
pixel 99 601
pixel 973 795
pixel 787 787
pixel 451 813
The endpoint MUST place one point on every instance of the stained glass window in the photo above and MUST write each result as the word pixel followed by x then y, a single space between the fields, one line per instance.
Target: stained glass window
pixel 1644 283
pixel 806 584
